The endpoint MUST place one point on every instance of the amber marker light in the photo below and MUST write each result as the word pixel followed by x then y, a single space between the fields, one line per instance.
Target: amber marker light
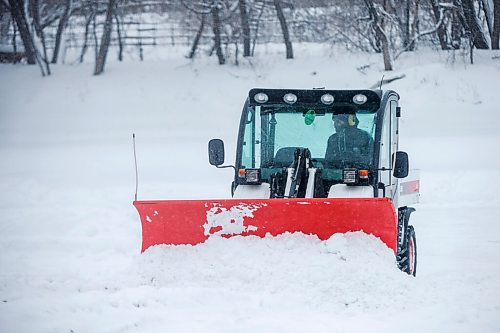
pixel 241 173
pixel 363 174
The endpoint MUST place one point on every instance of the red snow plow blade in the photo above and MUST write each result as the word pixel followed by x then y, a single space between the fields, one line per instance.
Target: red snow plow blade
pixel 194 221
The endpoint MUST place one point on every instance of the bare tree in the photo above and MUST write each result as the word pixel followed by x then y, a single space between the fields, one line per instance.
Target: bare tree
pixel 457 22
pixel 380 33
pixel 257 22
pixel 401 13
pixel 220 11
pixel 89 12
pixel 197 38
pixel 34 6
pixel 284 28
pixel 432 30
pixel 119 37
pixel 63 21
pixel 473 25
pixel 245 26
pixel 19 16
pixel 488 14
pixel 495 36
pixel 406 24
pixel 441 30
pixel 106 38
pixel 216 27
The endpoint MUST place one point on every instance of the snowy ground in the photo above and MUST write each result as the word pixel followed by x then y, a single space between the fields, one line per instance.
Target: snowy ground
pixel 69 251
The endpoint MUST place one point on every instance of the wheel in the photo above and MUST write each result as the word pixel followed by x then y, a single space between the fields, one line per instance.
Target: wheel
pixel 407 258
pixel 412 251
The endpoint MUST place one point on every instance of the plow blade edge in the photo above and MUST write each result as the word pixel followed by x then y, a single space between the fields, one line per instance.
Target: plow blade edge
pixel 194 221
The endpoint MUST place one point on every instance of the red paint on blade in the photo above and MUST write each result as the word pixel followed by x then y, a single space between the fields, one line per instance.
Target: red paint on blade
pixel 194 221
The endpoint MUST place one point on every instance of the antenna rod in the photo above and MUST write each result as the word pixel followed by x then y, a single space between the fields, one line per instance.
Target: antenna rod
pixel 136 173
pixel 381 82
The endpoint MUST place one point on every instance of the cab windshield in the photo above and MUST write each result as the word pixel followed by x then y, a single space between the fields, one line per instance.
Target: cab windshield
pixel 273 133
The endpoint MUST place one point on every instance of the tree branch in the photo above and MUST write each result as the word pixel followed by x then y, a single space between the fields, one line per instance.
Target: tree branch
pixel 387 81
pixel 428 32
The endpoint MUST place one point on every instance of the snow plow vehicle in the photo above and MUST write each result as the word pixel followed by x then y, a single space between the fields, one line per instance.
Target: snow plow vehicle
pixel 314 161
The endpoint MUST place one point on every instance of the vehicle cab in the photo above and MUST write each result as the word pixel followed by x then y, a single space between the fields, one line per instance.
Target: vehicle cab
pixel 289 146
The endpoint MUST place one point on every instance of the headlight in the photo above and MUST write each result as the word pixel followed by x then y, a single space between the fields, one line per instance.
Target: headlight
pixel 354 176
pixel 261 98
pixel 290 98
pixel 350 176
pixel 252 176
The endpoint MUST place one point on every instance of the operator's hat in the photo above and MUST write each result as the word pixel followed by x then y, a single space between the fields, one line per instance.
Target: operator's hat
pixel 349 119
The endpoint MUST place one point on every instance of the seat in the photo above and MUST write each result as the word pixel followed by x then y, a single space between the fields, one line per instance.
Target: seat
pixel 284 157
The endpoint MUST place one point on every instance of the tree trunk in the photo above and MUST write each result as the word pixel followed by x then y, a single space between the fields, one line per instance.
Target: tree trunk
pixel 35 13
pixel 401 13
pixel 14 36
pixel 5 20
pixel 406 35
pixel 63 21
pixel 86 37
pixel 94 36
pixel 415 27
pixel 284 29
pixel 473 25
pixel 441 31
pixel 197 38
pixel 380 35
pixel 245 26
pixel 217 38
pixel 488 13
pixel 456 26
pixel 257 25
pixel 496 25
pixel 236 53
pixel 120 41
pixel 17 13
pixel 106 39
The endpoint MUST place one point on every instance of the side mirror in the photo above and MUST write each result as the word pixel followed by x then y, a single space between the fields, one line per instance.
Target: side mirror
pixel 401 165
pixel 216 152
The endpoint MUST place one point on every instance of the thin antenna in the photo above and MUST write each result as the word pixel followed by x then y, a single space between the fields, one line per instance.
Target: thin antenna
pixel 382 80
pixel 136 173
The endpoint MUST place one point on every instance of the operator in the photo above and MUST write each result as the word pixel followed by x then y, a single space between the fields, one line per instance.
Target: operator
pixel 349 144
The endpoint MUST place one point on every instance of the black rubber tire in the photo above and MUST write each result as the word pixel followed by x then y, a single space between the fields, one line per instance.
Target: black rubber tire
pixel 407 259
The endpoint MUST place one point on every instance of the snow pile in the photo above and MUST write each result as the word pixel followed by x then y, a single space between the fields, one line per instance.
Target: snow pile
pixel 249 283
pixel 320 275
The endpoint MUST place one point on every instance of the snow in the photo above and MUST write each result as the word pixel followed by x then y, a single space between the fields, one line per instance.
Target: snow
pixel 221 221
pixel 70 248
